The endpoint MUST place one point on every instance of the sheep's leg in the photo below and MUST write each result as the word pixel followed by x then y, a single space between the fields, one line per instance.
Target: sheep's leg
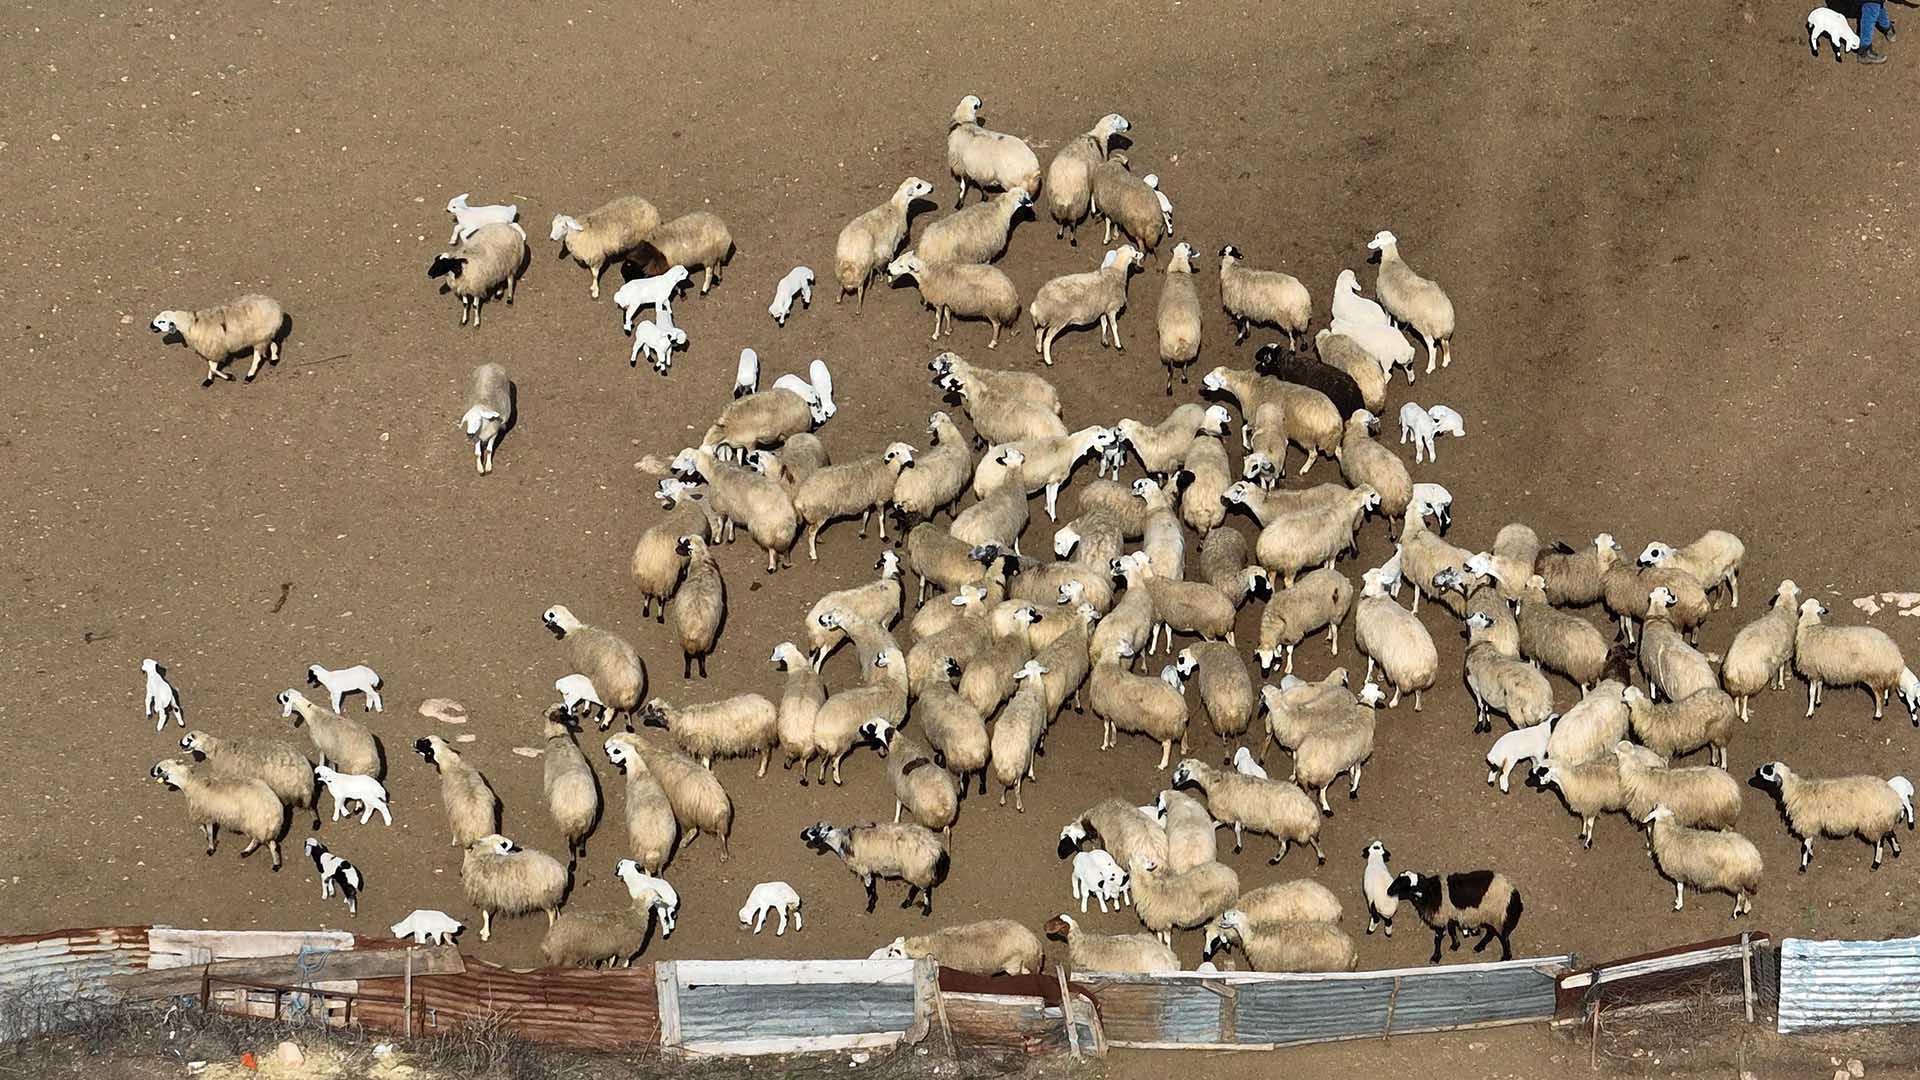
pixel 1680 896
pixel 1733 580
pixel 707 282
pixel 995 340
pixel 962 197
pixel 1312 454
pixel 1813 695
pixel 1240 324
pixel 258 356
pixel 1446 353
pixel 1113 322
pixel 1586 833
pixel 1878 701
pixel 1431 354
pixel 936 323
pixel 214 372
pixel 1047 351
pixel 1806 854
pixel 1275 860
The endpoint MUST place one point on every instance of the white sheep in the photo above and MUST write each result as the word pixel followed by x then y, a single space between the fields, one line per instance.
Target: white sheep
pixel 577 690
pixel 466 218
pixel 1446 422
pixel 1376 881
pixel 1245 765
pixel 775 896
pixel 1098 875
pixel 427 925
pixel 798 282
pixel 655 292
pixel 358 678
pixel 160 696
pixel 1524 744
pixel 1390 576
pixel 1166 204
pixel 746 376
pixel 1417 425
pixel 352 787
pixel 657 340
pixel 1825 20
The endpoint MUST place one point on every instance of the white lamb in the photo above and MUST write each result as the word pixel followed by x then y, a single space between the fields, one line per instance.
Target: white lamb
pixel 1389 571
pixel 746 377
pixel 1245 765
pixel 1447 422
pixel 466 219
pixel 1166 204
pixel 160 696
pixel 1417 425
pixel 352 787
pixel 655 292
pixel 798 282
pixel 577 690
pixel 818 394
pixel 1525 744
pixel 1434 500
pixel 1825 20
pixel 344 681
pixel 657 340
pixel 776 896
pixel 1096 874
pixel 426 926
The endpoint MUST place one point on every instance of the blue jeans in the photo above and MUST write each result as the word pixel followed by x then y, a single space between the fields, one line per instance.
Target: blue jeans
pixel 1873 16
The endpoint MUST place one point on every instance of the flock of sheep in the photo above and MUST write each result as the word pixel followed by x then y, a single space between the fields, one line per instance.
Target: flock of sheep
pixel 1002 637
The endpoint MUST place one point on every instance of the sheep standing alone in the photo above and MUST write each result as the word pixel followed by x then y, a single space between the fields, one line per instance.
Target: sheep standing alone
pixel 1178 318
pixel 489 403
pixel 1376 883
pixel 482 266
pixel 1704 859
pixel 500 877
pixel 473 810
pixel 252 323
pixel 602 656
pixel 335 873
pixel 340 682
pixel 774 896
pixel 1069 184
pixel 572 791
pixel 467 217
pixel 1413 300
pixel 1079 299
pixel 602 235
pixel 247 807
pixel 985 158
pixel 868 242
pixel 970 290
pixel 1863 806
pixel 1262 296
pixel 1825 20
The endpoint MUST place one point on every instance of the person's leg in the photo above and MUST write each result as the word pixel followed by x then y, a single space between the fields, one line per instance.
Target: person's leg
pixel 1873 16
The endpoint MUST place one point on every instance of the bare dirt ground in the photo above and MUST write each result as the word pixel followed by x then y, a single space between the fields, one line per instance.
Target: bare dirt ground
pixel 1679 260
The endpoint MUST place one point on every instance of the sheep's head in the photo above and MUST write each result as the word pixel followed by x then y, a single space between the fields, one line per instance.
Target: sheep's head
pixel 445 264
pixel 1659 812
pixel 170 772
pixel 1771 777
pixel 1144 488
pixel 1184 774
pixel 1541 777
pixel 286 699
pixel 1186 663
pixel 195 742
pixel 899 455
pixel 1064 540
pixel 1030 670
pixel 313 674
pixel 1377 849
pixel 689 546
pixel 1060 927
pixel 1216 420
pixel 493 844
pixel 1480 563
pixel 913 188
pixel 1129 256
pixel 820 836
pixel 1072 591
pixel 968 110
pixel 1215 380
pixel 170 322
pixel 879 733
pixel 1347 282
pixel 151 666
pixel 1229 252
pixel 1071 837
pixel 1382 242
pixel 562 225
pixel 314 849
pixel 908 263
pixel 1661 597
pixel 653 714
pixel 424 746
pixel 1655 554
pixel 560 620
pixel 1420 891
pixel 1371 695
pixel 1812 609
pixel 1479 620
pixel 1170 675
pixel 619 754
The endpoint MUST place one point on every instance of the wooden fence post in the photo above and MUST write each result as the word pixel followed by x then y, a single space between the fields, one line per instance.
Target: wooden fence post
pixel 666 988
pixel 406 1006
pixel 1066 1010
pixel 1746 972
pixel 1393 1001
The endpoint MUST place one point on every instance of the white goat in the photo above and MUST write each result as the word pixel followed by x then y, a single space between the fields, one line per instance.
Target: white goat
pixel 426 925
pixel 345 681
pixel 160 696
pixel 1096 874
pixel 775 896
pixel 655 292
pixel 352 787
pixel 798 282
pixel 466 219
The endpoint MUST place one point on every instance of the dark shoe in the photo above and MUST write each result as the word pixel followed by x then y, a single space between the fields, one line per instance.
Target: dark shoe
pixel 1889 30
pixel 1868 56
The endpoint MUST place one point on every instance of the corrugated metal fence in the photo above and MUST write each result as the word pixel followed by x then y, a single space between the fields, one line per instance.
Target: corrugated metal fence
pixel 1248 1010
pixel 1825 984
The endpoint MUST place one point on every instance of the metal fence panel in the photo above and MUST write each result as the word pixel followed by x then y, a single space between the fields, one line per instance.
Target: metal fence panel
pixel 1826 984
pixel 728 1013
